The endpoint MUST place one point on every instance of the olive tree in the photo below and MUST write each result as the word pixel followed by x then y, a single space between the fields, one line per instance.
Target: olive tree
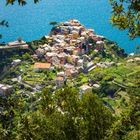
pixel 126 16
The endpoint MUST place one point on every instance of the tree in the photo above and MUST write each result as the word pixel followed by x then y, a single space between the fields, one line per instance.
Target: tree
pixel 127 126
pixel 20 2
pixel 3 23
pixel 126 16
pixel 63 115
pixel 53 23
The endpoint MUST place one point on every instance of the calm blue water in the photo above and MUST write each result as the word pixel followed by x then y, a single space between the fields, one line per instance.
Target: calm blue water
pixel 32 21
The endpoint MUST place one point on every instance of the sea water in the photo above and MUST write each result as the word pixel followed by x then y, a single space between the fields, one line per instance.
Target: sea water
pixel 31 22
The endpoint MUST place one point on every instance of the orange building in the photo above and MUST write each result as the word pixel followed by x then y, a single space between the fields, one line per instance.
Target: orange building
pixel 42 66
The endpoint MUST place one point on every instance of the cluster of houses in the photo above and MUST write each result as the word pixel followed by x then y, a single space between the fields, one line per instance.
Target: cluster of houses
pixel 68 48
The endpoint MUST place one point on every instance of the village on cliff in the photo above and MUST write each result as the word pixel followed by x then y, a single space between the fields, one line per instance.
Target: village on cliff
pixel 68 49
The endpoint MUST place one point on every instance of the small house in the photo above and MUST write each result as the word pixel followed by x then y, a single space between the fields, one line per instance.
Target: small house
pixel 40 52
pixel 85 89
pixel 42 66
pixel 59 81
pixel 16 62
pixel 62 74
pixel 18 44
pixel 5 90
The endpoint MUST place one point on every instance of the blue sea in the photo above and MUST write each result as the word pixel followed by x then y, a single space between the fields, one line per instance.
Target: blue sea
pixel 32 21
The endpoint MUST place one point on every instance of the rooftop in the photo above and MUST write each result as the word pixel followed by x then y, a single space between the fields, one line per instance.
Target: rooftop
pixel 16 43
pixel 5 87
pixel 42 65
pixel 60 78
pixel 85 87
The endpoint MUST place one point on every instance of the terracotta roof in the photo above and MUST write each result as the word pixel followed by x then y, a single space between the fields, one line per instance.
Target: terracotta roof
pixel 42 65
pixel 60 78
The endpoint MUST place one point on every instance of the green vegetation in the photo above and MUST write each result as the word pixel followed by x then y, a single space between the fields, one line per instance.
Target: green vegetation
pixel 20 2
pixel 126 16
pixel 110 112
pixel 114 83
pixel 62 115
pixel 53 23
pixel 66 115
pixel 34 44
pixel 7 56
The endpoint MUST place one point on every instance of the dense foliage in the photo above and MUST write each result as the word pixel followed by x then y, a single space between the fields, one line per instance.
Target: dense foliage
pixel 127 126
pixel 20 2
pixel 111 112
pixel 65 115
pixel 126 16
